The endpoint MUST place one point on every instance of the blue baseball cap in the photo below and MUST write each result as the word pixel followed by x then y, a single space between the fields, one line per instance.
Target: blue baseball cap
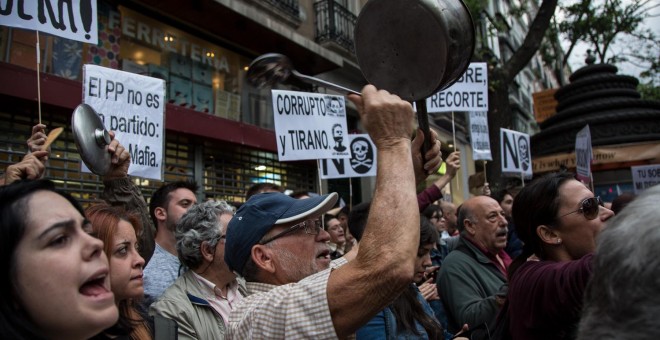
pixel 260 214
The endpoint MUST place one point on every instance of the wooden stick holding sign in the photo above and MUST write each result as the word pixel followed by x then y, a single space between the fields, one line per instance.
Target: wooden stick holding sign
pixel 318 165
pixel 38 77
pixel 485 172
pixel 350 192
pixel 453 134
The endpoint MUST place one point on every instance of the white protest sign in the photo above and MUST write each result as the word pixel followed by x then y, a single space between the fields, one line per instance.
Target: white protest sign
pixel 133 106
pixel 309 125
pixel 645 176
pixel 583 154
pixel 361 164
pixel 479 136
pixel 468 93
pixel 72 19
pixel 515 153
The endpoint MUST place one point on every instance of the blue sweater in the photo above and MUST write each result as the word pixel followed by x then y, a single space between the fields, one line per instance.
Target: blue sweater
pixel 383 325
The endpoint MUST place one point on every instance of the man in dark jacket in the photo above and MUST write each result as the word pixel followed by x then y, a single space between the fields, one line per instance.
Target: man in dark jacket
pixel 472 280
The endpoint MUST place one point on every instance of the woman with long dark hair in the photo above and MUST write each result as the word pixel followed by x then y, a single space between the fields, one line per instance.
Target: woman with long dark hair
pixel 56 282
pixel 558 219
pixel 409 316
pixel 117 229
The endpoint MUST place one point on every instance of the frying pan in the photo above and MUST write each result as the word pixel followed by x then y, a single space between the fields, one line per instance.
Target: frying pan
pixel 414 48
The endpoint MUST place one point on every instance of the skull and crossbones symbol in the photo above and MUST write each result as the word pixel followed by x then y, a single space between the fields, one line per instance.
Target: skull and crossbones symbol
pixel 360 149
pixel 523 147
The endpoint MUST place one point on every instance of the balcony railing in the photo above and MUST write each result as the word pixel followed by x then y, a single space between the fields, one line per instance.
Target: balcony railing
pixel 334 23
pixel 290 7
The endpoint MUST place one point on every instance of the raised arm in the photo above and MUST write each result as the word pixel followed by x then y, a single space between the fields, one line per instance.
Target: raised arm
pixel 434 191
pixel 118 189
pixel 385 263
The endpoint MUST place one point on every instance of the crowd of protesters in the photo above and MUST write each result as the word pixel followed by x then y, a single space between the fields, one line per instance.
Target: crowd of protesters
pixel 405 265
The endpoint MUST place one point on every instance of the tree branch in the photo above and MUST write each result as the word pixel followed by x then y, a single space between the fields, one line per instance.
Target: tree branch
pixel 576 37
pixel 532 41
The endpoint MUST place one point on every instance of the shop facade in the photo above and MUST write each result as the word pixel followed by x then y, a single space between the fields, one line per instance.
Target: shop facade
pixel 219 131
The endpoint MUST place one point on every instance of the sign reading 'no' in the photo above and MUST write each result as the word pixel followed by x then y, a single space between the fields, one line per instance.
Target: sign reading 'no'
pixel 515 153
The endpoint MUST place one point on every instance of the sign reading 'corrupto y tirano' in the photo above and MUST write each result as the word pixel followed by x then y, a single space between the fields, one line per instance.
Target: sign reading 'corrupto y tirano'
pixel 310 126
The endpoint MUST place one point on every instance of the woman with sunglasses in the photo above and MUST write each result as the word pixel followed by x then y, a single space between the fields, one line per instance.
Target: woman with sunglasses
pixel 558 219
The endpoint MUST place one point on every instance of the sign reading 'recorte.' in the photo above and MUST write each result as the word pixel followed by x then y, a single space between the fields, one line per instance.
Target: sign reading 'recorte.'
pixel 309 126
pixel 469 93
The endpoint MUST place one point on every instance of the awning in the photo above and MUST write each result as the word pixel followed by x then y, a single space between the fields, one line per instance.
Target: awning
pixel 602 155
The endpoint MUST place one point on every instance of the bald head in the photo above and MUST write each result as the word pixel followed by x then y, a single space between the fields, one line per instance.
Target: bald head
pixel 482 219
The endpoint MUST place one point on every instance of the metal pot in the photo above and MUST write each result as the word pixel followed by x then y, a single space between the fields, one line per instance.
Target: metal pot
pixel 414 48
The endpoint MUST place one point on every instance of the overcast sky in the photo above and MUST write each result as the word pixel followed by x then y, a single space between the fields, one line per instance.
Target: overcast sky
pixel 579 53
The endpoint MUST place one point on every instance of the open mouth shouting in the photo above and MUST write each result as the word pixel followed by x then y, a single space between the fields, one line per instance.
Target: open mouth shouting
pixel 97 286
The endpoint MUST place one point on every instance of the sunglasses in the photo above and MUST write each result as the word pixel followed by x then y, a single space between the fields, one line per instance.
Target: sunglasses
pixel 589 208
pixel 311 227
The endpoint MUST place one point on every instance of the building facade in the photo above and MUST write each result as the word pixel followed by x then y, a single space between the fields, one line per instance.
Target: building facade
pixel 219 131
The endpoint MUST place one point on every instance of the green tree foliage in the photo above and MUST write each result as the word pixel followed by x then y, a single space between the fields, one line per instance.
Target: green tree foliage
pixel 598 23
pixel 649 91
pixel 601 23
pixel 502 74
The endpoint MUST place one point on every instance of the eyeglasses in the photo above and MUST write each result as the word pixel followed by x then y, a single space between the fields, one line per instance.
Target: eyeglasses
pixel 311 227
pixel 589 207
pixel 437 216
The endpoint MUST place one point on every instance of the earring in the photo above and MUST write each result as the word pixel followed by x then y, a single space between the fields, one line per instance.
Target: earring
pixel 558 241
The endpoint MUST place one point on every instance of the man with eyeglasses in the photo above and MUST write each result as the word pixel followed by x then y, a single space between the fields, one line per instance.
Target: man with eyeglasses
pixel 473 277
pixel 277 243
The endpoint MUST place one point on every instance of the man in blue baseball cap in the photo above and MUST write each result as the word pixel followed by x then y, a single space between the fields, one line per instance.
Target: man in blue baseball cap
pixel 277 243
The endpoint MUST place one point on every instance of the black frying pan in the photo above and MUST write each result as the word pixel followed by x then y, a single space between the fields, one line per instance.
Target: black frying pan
pixel 414 48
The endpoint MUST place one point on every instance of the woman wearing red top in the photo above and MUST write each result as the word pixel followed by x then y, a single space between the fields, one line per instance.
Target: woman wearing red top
pixel 558 219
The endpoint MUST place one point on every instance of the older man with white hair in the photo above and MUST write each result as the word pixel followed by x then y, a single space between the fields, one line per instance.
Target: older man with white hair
pixel 201 300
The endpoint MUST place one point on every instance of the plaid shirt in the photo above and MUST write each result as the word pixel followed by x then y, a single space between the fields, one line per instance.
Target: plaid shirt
pixel 292 311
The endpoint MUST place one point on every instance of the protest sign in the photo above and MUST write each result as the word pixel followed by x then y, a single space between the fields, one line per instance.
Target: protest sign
pixel 583 155
pixel 479 136
pixel 469 93
pixel 361 164
pixel 73 19
pixel 309 125
pixel 133 107
pixel 645 176
pixel 516 156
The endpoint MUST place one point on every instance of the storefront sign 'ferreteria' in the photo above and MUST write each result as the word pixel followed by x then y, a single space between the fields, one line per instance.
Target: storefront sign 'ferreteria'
pixel 141 29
